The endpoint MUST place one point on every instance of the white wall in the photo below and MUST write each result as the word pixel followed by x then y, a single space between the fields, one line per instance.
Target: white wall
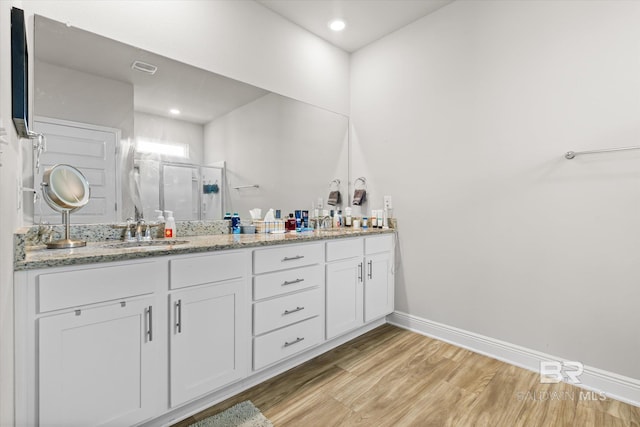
pixel 63 93
pixel 238 39
pixel 9 219
pixel 292 150
pixel 464 117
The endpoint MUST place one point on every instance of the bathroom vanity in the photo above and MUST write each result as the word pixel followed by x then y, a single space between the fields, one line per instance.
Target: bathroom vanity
pixel 149 335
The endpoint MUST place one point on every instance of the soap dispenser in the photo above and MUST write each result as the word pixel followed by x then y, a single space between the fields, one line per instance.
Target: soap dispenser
pixel 170 226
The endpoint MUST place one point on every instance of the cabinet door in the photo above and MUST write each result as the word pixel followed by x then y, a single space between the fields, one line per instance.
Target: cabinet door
pixel 344 296
pixel 207 346
pixel 378 288
pixel 98 365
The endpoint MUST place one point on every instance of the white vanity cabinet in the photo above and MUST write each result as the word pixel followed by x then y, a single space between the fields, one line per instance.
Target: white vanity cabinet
pixel 148 341
pixel 345 286
pixel 98 366
pixel 98 335
pixel 379 277
pixel 359 285
pixel 208 336
pixel 288 301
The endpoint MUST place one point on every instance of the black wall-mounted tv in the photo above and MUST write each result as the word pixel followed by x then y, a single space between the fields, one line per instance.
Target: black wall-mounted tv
pixel 19 73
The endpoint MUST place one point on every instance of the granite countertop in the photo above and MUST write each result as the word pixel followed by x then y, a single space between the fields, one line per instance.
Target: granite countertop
pixel 97 252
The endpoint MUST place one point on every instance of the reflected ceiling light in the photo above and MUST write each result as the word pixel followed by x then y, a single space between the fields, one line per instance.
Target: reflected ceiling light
pixel 337 25
pixel 174 111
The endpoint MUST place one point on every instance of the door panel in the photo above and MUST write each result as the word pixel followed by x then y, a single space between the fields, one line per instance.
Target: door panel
pixel 344 296
pixel 91 150
pixel 205 353
pixel 97 366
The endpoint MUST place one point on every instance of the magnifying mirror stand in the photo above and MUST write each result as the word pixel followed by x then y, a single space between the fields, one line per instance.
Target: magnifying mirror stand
pixel 66 242
pixel 65 189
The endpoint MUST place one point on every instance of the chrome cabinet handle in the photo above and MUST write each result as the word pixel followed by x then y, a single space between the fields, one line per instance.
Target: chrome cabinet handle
pixel 293 311
pixel 292 282
pixel 360 272
pixel 179 316
pixel 370 269
pixel 287 344
pixel 293 258
pixel 150 323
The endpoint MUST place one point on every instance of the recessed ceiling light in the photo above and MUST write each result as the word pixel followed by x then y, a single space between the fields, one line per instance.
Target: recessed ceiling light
pixel 174 111
pixel 337 25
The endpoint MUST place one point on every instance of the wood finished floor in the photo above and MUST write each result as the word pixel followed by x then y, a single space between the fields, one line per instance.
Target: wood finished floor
pixel 393 377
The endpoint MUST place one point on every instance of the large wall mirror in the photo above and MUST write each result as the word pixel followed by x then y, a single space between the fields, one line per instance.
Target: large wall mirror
pixel 152 133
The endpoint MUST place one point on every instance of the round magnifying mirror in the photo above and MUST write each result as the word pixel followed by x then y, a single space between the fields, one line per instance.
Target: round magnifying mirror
pixel 65 189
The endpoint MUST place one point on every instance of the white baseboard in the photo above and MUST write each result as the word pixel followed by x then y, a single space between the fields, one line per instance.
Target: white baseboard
pixel 614 386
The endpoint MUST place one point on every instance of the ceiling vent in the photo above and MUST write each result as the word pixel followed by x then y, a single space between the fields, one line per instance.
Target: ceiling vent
pixel 144 67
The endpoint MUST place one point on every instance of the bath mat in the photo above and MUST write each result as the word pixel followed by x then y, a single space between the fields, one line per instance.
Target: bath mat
pixel 244 414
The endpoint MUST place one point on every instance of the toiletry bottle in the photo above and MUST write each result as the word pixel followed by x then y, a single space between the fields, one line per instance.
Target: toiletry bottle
pixel 169 226
pixel 347 217
pixel 365 223
pixel 227 217
pixel 385 218
pixel 298 215
pixel 380 219
pixel 290 225
pixel 374 219
pixel 160 218
pixel 235 223
pixel 305 219
pixel 339 221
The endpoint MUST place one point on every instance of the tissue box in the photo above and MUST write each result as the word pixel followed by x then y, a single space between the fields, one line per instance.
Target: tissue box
pixel 268 227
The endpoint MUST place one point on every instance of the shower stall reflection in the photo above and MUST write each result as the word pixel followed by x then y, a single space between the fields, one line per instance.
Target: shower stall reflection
pixel 190 191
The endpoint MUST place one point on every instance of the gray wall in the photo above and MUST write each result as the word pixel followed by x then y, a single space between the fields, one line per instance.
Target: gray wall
pixel 62 93
pixel 291 149
pixel 500 235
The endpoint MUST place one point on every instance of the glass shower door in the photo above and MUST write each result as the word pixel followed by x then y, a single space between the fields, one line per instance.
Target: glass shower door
pixel 192 192
pixel 180 184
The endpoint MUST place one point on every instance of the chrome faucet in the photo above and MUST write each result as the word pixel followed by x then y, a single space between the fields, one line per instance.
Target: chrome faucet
pixel 137 231
pixel 321 222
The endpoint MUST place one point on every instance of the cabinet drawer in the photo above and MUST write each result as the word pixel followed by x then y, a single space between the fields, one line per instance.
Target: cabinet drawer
pixel 282 282
pixel 289 256
pixel 374 245
pixel 197 270
pixel 343 249
pixel 283 343
pixel 283 311
pixel 84 286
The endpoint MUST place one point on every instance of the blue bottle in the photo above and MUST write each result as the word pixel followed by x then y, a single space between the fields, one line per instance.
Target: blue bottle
pixel 235 223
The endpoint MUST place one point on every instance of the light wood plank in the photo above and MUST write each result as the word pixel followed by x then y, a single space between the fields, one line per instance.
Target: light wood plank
pixel 393 377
